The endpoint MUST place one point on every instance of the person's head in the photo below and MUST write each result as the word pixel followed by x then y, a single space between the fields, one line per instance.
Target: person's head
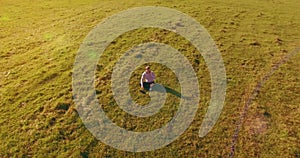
pixel 148 69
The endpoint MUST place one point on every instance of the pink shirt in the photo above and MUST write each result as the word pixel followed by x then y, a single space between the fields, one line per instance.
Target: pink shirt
pixel 149 77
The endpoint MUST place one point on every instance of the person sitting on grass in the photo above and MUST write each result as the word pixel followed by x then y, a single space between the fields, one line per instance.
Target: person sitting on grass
pixel 149 77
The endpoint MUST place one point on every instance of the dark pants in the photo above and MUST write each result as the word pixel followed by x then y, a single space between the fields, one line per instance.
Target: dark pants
pixel 146 85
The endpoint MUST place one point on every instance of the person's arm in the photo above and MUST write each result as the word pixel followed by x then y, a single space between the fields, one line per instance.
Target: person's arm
pixel 142 79
pixel 153 75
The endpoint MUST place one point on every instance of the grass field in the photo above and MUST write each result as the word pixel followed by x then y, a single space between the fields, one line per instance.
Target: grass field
pixel 40 39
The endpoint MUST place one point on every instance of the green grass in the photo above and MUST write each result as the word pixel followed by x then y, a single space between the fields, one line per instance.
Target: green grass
pixel 39 41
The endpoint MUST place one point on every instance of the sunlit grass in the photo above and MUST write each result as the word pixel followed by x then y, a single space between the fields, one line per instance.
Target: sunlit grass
pixel 39 41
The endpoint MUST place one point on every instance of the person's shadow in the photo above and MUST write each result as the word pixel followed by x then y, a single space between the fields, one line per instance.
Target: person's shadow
pixel 172 91
pixel 159 88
